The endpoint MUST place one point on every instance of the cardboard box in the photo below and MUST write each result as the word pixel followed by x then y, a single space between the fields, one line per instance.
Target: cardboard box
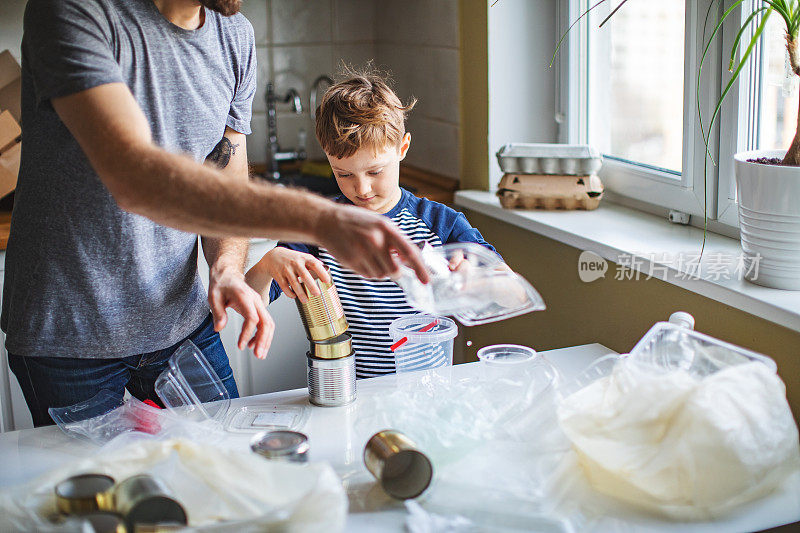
pixel 10 149
pixel 10 131
pixel 10 85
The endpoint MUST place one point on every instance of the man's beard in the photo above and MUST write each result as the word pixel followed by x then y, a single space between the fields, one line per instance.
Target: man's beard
pixel 224 7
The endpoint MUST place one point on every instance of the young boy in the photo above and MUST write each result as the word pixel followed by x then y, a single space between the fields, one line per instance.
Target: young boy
pixel 360 125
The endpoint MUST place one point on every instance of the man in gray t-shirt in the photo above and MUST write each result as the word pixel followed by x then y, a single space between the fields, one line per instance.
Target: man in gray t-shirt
pixel 122 101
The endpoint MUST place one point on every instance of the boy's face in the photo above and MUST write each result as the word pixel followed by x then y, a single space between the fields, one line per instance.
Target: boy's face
pixel 369 179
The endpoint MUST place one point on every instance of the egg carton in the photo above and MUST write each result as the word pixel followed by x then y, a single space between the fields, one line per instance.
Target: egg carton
pixel 526 191
pixel 555 159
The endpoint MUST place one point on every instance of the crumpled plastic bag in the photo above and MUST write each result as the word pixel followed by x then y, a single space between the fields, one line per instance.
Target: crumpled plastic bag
pixel 221 489
pixel 678 438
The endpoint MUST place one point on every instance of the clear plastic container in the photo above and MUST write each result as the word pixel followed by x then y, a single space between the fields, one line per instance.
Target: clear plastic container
pixel 505 360
pixel 192 386
pixel 670 346
pixel 470 283
pixel 423 350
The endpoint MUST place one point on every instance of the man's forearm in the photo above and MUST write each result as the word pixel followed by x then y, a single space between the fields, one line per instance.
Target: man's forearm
pixel 226 253
pixel 175 191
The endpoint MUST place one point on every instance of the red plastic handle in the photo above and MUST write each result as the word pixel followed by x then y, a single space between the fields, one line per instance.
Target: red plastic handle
pixel 404 340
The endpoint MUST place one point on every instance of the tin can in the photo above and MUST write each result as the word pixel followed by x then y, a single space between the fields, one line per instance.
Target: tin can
pixel 403 471
pixel 282 445
pixel 86 493
pixel 105 522
pixel 145 499
pixel 323 316
pixel 331 382
pixel 334 348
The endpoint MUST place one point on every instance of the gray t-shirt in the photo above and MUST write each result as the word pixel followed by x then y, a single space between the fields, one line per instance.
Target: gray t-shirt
pixel 83 277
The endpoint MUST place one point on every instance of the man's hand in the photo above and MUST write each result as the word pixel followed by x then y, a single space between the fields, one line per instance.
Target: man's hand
pixel 227 288
pixel 364 241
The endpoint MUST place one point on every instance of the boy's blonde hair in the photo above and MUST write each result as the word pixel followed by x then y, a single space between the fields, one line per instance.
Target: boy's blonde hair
pixel 360 111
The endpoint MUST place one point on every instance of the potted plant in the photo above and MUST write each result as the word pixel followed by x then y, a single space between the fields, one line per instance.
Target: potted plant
pixel 767 181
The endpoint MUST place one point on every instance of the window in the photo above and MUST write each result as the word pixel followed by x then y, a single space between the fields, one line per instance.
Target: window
pixel 636 98
pixel 630 88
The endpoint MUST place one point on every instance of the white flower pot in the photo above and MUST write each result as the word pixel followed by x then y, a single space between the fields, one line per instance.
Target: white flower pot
pixel 769 220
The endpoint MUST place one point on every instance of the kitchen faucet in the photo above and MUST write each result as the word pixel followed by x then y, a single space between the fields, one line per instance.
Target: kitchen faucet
pixel 274 152
pixel 312 96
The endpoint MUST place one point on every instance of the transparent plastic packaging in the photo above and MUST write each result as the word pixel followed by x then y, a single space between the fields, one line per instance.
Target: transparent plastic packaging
pixel 505 360
pixel 670 346
pixel 192 393
pixel 686 425
pixel 495 445
pixel 192 386
pixel 267 417
pixel 425 346
pixel 104 417
pixel 470 283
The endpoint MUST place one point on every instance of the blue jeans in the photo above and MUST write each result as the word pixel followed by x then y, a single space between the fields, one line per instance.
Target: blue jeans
pixel 59 381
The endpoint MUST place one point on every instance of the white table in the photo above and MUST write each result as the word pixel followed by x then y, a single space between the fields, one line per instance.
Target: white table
pixel 28 453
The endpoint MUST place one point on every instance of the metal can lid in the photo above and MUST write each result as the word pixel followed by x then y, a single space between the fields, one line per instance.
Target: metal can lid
pixel 280 443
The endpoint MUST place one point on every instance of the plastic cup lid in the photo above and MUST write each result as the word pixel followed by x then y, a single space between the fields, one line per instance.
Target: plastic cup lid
pixel 410 326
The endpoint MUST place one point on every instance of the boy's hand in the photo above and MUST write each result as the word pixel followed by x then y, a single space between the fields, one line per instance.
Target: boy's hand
pixel 290 268
pixel 364 241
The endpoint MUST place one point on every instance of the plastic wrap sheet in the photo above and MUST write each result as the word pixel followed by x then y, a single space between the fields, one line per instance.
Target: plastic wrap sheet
pixel 221 489
pixel 495 445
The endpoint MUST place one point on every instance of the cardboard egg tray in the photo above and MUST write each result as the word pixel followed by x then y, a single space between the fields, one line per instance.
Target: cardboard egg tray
pixel 550 192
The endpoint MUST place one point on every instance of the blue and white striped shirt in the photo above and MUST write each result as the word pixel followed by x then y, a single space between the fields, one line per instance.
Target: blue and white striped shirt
pixel 370 305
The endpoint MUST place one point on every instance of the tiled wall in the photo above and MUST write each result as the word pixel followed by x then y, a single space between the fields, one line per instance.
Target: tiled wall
pixel 296 41
pixel 416 40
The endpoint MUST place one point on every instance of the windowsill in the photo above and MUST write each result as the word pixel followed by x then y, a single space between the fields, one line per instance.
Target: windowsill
pixel 617 233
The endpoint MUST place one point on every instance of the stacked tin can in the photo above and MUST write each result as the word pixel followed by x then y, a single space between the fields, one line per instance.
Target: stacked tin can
pixel 331 362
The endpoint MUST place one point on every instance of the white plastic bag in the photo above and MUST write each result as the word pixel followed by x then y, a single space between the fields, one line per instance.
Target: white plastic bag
pixel 691 435
pixel 221 489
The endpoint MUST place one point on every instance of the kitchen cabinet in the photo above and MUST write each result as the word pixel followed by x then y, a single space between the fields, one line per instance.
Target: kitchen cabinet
pixel 14 413
pixel 285 365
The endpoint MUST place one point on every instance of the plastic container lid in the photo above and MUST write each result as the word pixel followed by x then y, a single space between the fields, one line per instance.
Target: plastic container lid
pixel 410 326
pixel 192 386
pixel 506 354
pixel 267 417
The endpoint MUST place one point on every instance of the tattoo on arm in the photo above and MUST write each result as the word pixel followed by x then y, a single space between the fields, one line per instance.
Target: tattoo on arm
pixel 222 152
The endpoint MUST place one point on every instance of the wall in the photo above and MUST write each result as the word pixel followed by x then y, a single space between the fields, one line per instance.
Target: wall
pixel 418 42
pixel 295 43
pixel 521 86
pixel 11 25
pixel 612 312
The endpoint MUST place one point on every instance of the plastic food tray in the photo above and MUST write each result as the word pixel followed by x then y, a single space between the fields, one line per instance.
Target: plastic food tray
pixel 563 159
pixel 669 345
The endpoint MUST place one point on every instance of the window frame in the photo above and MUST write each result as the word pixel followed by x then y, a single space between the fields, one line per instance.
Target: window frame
pixel 637 182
